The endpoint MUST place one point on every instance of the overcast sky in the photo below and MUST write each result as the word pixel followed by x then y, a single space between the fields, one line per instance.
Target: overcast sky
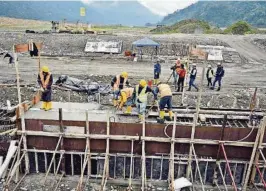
pixel 161 7
pixel 164 7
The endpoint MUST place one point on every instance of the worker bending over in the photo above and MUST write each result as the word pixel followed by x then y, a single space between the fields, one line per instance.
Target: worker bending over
pixel 193 75
pixel 45 80
pixel 181 79
pixel 118 83
pixel 157 72
pixel 165 100
pixel 141 94
pixel 126 98
pixel 218 76
pixel 209 75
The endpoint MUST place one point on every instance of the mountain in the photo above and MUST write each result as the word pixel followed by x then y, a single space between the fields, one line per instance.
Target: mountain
pixel 98 12
pixel 222 13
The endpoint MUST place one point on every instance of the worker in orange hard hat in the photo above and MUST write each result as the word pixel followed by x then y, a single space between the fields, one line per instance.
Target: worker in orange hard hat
pixel 45 80
pixel 118 83
pixel 141 97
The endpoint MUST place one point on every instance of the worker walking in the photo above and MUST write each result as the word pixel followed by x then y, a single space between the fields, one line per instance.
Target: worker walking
pixel 181 79
pixel 218 76
pixel 193 74
pixel 141 96
pixel 157 72
pixel 165 93
pixel 118 83
pixel 209 75
pixel 126 98
pixel 45 80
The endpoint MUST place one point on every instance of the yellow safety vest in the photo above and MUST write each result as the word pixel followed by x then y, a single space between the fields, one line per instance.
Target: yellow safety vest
pixel 164 90
pixel 143 96
pixel 128 92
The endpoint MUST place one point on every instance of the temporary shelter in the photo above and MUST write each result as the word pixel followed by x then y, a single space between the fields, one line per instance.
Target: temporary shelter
pixel 145 42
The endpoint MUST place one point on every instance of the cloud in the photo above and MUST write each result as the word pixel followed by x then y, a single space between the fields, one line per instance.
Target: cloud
pixel 165 7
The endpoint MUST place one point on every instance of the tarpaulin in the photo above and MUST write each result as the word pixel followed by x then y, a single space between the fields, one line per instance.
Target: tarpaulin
pixel 83 85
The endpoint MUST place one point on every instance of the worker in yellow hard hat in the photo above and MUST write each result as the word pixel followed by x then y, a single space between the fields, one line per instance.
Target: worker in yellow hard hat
pixel 118 83
pixel 165 93
pixel 126 98
pixel 141 97
pixel 45 80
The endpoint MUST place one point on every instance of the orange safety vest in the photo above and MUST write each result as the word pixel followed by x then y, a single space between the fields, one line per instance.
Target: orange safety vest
pixel 164 90
pixel 117 83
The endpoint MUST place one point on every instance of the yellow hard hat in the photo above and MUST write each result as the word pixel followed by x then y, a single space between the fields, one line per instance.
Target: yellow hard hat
pixel 45 69
pixel 143 83
pixel 124 74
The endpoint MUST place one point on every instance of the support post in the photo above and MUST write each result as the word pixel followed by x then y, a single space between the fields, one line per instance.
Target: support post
pixel 143 157
pixel 261 175
pixel 131 166
pixel 106 162
pixel 186 77
pixel 62 148
pixel 21 112
pixel 257 156
pixel 172 157
pixel 252 158
pixel 228 167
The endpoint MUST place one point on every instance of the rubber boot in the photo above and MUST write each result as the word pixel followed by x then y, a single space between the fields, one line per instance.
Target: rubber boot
pixel 114 102
pixel 189 89
pixel 219 88
pixel 141 118
pixel 212 88
pixel 155 81
pixel 128 110
pixel 48 106
pixel 160 119
pixel 44 105
pixel 171 115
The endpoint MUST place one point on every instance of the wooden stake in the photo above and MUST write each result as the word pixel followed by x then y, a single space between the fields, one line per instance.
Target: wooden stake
pixel 106 162
pixel 172 157
pixel 131 166
pixel 54 153
pixel 197 164
pixel 21 113
pixel 143 169
pixel 62 141
pixel 256 160
pixel 252 158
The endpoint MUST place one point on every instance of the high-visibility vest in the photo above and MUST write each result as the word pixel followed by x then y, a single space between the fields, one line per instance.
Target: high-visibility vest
pixel 143 96
pixel 128 92
pixel 117 83
pixel 164 90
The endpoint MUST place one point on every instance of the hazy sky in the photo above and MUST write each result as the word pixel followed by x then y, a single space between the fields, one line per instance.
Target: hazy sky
pixel 161 7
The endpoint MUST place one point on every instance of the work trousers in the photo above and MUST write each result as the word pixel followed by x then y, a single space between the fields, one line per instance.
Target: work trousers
pixel 191 83
pixel 219 80
pixel 141 108
pixel 175 75
pixel 180 84
pixel 166 101
pixel 209 82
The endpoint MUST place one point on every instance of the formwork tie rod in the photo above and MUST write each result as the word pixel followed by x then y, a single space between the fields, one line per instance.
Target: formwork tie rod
pixel 228 167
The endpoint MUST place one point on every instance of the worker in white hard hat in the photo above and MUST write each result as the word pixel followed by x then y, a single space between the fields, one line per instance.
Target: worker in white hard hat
pixel 118 83
pixel 193 74
pixel 218 76
pixel 209 75
pixel 45 80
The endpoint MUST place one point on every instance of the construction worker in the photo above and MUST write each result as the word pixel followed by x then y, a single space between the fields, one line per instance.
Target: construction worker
pixel 45 80
pixel 157 72
pixel 193 74
pixel 175 69
pixel 218 76
pixel 118 83
pixel 165 100
pixel 209 75
pixel 181 79
pixel 141 97
pixel 126 98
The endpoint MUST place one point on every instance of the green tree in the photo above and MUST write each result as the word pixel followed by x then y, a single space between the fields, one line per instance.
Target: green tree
pixel 240 27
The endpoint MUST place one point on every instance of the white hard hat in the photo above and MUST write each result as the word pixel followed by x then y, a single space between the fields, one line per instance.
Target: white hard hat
pixel 209 66
pixel 219 63
pixel 194 64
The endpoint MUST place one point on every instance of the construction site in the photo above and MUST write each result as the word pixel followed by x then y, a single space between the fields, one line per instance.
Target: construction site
pixel 215 142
